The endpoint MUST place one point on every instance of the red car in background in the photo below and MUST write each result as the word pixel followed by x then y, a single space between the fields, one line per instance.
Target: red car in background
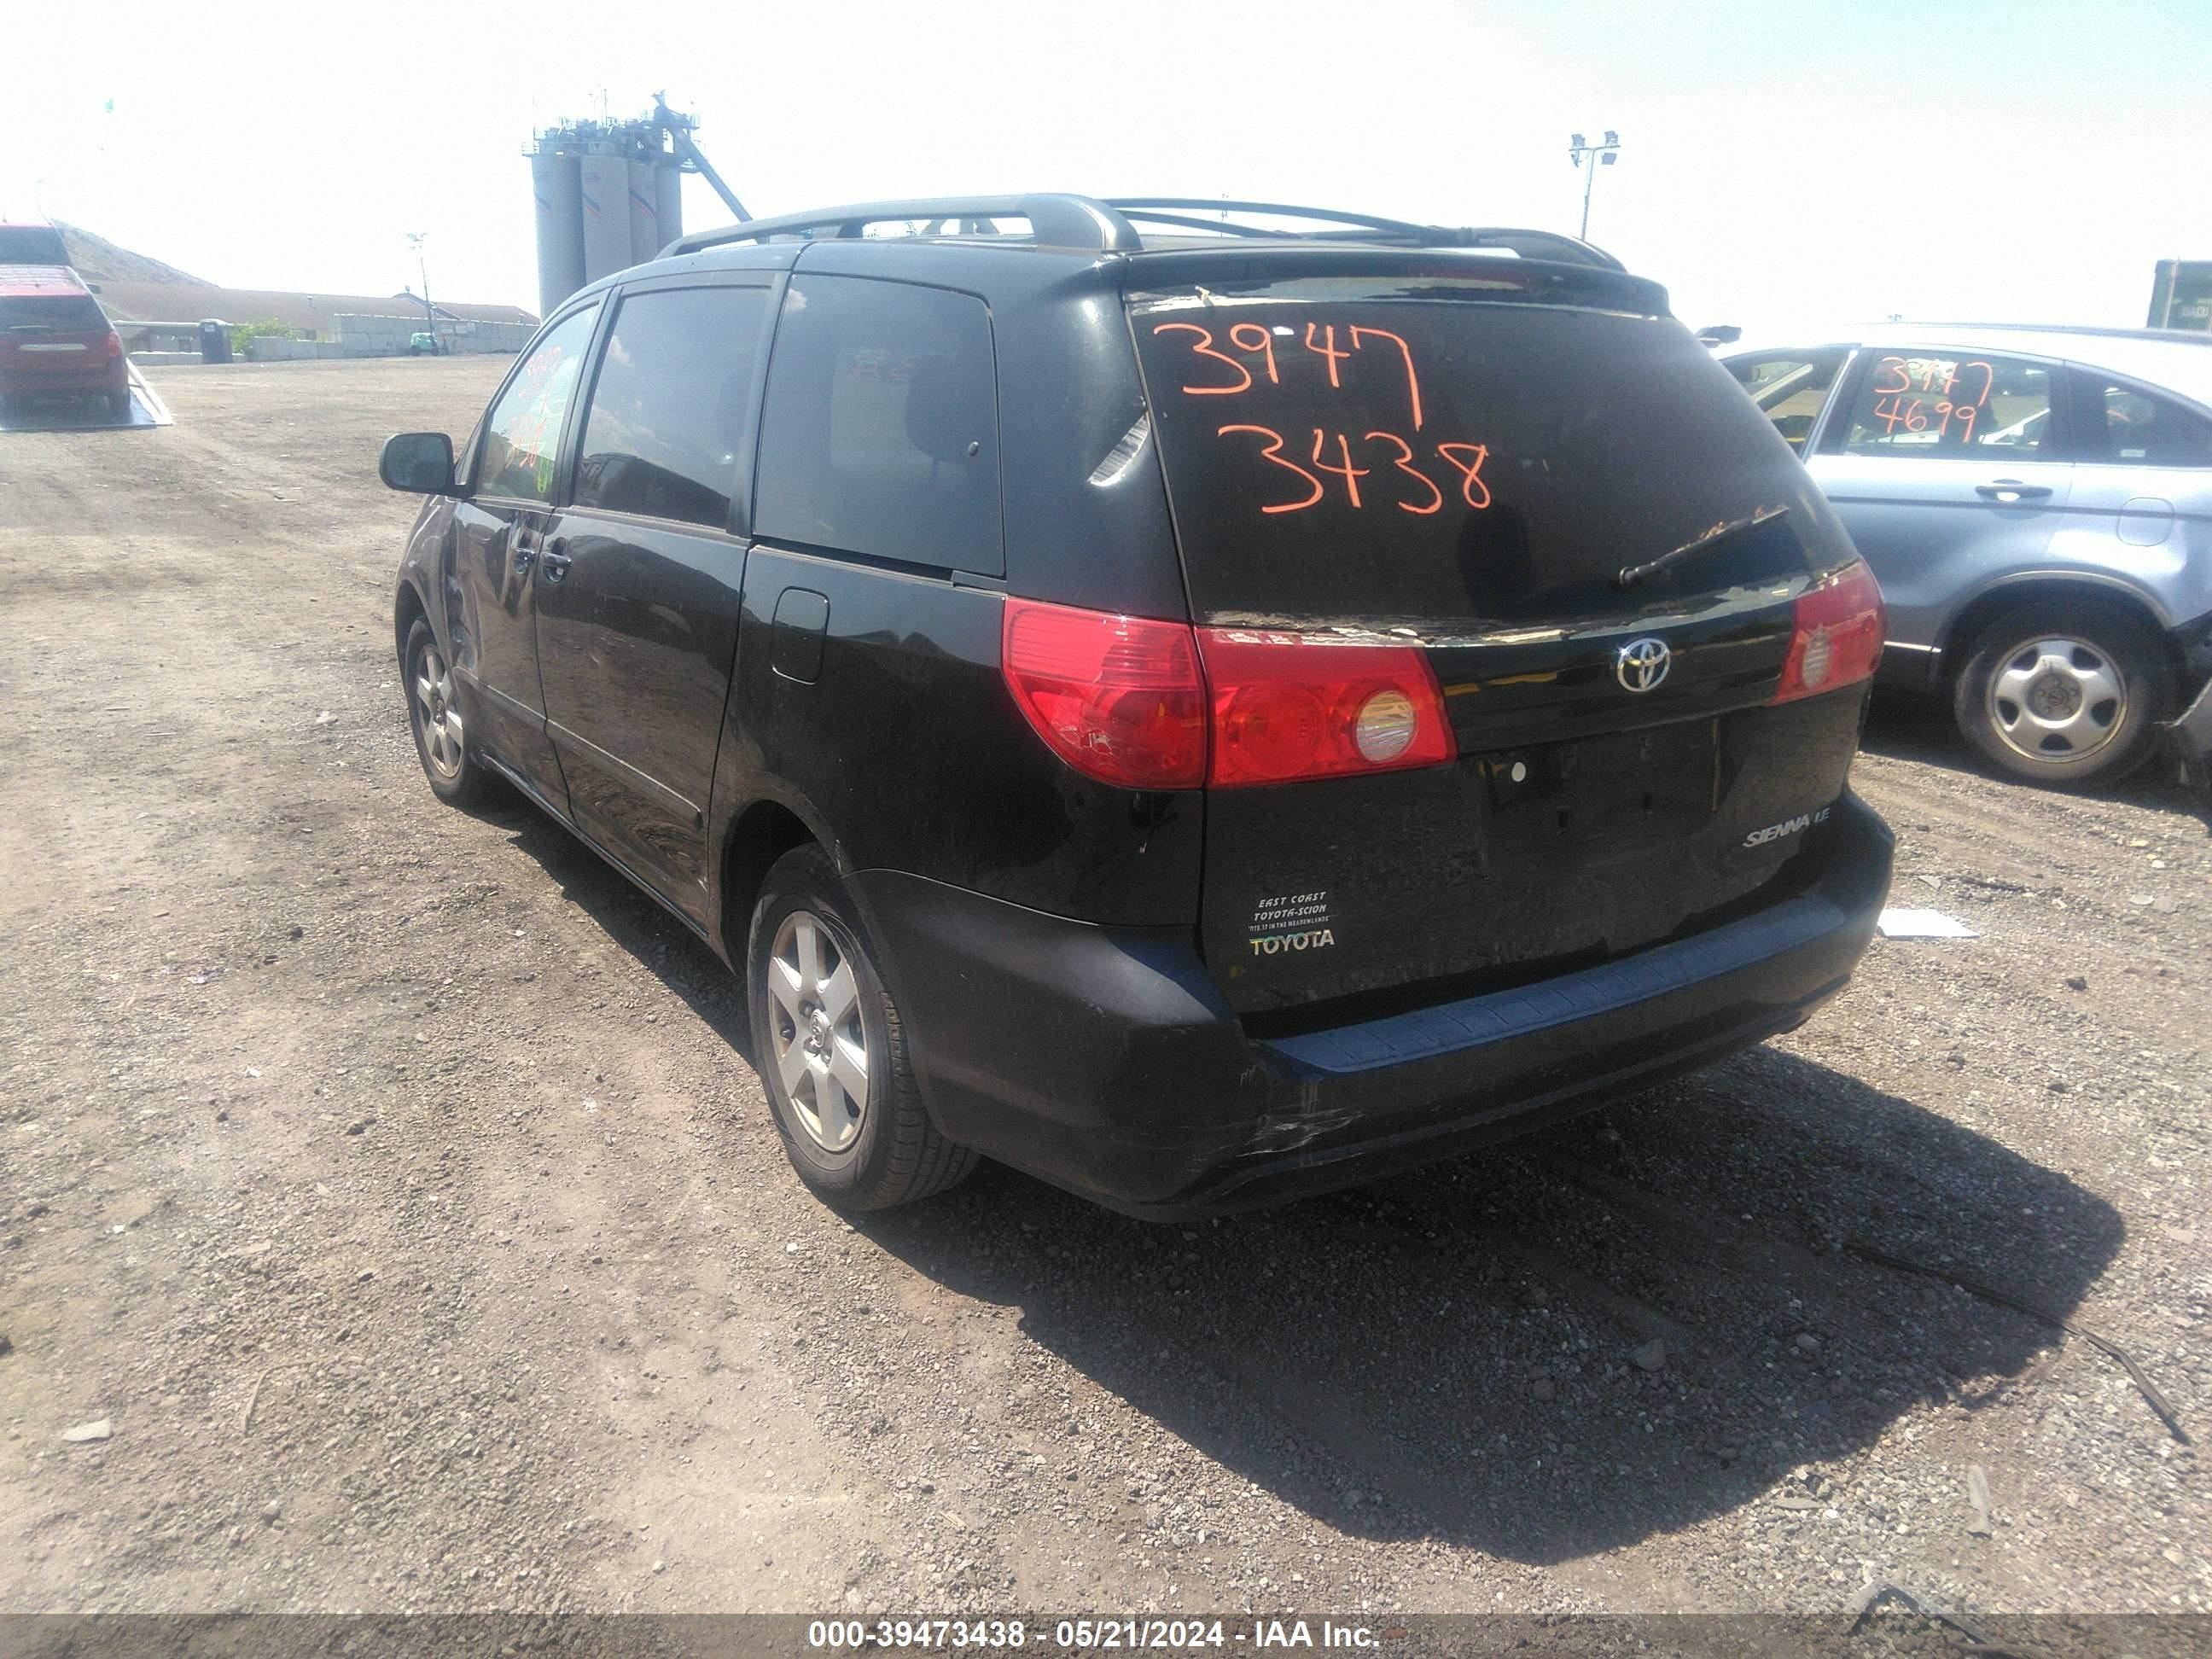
pixel 55 339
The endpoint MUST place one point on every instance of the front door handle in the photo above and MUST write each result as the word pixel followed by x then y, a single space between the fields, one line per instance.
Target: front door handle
pixel 2010 491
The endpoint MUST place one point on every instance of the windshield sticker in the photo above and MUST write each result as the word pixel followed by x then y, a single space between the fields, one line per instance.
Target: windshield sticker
pixel 1293 921
pixel 1216 373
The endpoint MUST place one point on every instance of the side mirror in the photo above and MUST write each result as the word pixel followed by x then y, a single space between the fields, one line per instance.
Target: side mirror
pixel 421 463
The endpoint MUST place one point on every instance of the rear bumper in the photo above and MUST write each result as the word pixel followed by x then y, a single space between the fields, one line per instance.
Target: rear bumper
pixel 1105 1061
pixel 86 378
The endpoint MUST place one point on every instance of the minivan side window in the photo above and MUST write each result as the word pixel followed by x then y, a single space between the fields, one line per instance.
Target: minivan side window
pixel 2129 427
pixel 1946 406
pixel 1789 388
pixel 667 420
pixel 880 432
pixel 522 434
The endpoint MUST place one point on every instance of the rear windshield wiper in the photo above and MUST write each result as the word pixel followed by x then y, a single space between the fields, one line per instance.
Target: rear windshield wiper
pixel 1632 575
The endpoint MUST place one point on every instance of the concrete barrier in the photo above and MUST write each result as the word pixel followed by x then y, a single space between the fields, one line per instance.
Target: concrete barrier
pixel 388 336
pixel 275 348
pixel 364 336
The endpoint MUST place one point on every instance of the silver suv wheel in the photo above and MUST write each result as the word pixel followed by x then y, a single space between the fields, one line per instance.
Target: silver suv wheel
pixel 2064 691
pixel 2057 700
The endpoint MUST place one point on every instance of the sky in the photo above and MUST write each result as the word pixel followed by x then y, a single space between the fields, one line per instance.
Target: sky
pixel 1785 167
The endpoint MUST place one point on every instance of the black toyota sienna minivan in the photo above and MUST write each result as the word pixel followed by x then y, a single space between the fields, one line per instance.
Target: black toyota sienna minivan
pixel 1201 702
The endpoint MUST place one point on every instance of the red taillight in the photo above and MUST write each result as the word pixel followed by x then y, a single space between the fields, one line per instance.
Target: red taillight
pixel 1118 698
pixel 114 344
pixel 1837 634
pixel 1289 706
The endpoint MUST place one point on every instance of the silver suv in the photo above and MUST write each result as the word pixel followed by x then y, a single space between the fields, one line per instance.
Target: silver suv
pixel 2036 505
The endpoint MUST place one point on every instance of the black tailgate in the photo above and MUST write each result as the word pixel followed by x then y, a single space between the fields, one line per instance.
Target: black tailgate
pixel 1463 466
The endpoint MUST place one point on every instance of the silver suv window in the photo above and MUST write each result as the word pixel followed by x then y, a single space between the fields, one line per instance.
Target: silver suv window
pixel 2129 427
pixel 1948 406
pixel 1790 388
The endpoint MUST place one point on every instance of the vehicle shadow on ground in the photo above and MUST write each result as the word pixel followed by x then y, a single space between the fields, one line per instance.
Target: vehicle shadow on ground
pixel 1462 1353
pixel 1919 729
pixel 147 412
pixel 676 955
pixel 1455 1353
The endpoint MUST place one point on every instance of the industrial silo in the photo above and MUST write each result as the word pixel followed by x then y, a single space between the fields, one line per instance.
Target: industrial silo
pixel 556 182
pixel 668 198
pixel 604 188
pixel 645 237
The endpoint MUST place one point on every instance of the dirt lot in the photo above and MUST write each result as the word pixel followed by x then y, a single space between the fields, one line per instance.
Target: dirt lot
pixel 384 1178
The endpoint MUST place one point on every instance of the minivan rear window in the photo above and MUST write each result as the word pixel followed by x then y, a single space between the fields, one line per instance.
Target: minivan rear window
pixel 1341 451
pixel 60 313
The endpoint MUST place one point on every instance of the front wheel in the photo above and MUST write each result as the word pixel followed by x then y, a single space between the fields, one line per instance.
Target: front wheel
pixel 831 1049
pixel 457 776
pixel 2063 694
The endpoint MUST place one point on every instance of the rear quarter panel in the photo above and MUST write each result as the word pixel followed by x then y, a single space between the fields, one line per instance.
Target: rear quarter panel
pixel 907 753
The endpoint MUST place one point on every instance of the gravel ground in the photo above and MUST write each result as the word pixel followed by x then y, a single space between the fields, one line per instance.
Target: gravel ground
pixel 383 1180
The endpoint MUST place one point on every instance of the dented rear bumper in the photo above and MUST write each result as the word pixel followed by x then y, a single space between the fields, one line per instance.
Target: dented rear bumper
pixel 1107 1061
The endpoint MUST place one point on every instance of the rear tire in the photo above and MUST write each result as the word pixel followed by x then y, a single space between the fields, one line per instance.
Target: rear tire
pixel 457 776
pixel 831 1050
pixel 2065 695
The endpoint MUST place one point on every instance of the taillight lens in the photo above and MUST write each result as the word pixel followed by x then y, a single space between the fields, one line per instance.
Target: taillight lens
pixel 1291 706
pixel 1119 698
pixel 114 344
pixel 1837 634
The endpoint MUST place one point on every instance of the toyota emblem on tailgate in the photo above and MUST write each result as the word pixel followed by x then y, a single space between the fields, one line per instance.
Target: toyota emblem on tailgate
pixel 1640 665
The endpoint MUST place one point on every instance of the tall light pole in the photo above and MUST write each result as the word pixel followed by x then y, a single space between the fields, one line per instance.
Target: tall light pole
pixel 417 238
pixel 1592 157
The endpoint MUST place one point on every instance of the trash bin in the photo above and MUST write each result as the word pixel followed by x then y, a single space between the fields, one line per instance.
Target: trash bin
pixel 215 340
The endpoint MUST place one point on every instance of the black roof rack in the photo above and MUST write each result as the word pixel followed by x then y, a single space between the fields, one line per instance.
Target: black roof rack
pixel 1110 226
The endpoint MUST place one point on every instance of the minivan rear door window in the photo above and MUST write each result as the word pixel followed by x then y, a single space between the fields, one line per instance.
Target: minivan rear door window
pixel 881 431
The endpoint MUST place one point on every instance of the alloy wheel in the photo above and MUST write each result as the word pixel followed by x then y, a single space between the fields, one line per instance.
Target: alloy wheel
pixel 821 1044
pixel 437 714
pixel 2057 700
